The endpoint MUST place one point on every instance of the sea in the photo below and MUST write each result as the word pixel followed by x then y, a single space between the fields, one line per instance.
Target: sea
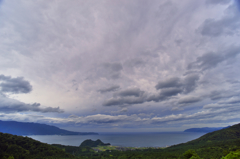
pixel 163 139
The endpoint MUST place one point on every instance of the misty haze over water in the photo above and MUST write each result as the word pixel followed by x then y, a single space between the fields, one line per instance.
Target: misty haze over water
pixel 123 139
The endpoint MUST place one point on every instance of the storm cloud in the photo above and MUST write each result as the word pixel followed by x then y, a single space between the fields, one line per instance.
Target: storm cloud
pixel 14 85
pixel 109 89
pixel 171 82
pixel 178 85
pixel 130 92
pixel 128 96
pixel 123 101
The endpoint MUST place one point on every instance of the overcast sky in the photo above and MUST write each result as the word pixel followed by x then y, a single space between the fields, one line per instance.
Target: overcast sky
pixel 120 65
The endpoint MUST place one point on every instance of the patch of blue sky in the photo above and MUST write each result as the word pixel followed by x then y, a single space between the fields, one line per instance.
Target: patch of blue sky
pixel 238 4
pixel 1 1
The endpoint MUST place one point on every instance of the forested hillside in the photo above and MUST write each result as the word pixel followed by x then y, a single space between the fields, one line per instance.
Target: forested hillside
pixel 20 147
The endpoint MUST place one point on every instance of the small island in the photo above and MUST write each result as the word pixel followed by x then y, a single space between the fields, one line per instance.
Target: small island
pixel 91 143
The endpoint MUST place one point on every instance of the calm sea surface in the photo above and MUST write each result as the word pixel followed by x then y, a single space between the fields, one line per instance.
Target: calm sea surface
pixel 123 139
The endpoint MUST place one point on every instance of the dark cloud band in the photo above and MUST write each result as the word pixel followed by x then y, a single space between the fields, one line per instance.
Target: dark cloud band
pixel 109 89
pixel 14 85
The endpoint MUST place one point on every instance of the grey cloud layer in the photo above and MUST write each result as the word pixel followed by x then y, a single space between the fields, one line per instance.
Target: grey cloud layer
pixel 218 1
pixel 152 56
pixel 113 69
pixel 216 95
pixel 123 101
pixel 230 103
pixel 171 82
pixel 187 100
pixel 220 115
pixel 168 88
pixel 186 85
pixel 130 92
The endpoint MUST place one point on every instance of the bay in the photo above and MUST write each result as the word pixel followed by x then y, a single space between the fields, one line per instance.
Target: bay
pixel 163 139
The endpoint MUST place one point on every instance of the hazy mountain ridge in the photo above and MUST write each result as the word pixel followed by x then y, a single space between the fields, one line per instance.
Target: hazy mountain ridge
pixel 26 128
pixel 204 129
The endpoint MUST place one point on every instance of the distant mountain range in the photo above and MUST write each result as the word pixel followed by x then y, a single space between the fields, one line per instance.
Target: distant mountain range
pixel 205 129
pixel 25 128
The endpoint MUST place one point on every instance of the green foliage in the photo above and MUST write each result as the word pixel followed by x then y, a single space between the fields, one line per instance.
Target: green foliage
pixel 19 147
pixel 232 155
pixel 190 154
pixel 76 151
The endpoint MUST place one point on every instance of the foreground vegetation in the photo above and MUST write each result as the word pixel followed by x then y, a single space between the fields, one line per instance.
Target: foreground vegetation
pixel 19 147
pixel 221 144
